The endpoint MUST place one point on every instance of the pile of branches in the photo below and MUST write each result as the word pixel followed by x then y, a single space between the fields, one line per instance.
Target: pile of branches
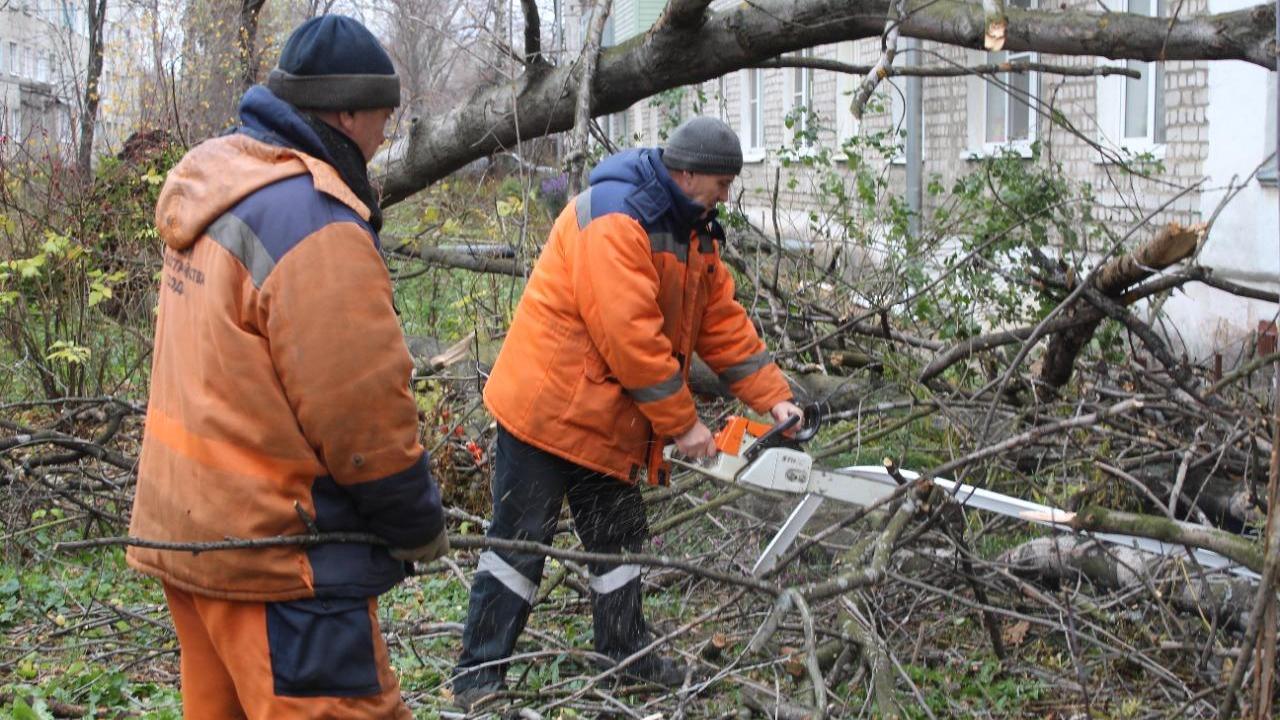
pixel 914 606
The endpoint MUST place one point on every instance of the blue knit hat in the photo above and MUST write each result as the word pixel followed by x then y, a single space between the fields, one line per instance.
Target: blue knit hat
pixel 332 62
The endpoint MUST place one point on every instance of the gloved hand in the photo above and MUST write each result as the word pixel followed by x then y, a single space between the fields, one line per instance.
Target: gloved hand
pixel 426 553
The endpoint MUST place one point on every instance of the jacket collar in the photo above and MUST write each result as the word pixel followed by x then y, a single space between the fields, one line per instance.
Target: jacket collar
pixel 267 118
pixel 654 194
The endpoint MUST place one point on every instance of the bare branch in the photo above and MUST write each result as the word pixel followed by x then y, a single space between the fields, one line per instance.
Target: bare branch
pixel 1100 519
pixel 1013 66
pixel 576 161
pixel 881 69
pixel 460 542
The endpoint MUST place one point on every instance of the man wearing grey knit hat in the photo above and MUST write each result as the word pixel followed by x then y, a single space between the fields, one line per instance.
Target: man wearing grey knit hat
pixel 703 156
pixel 593 381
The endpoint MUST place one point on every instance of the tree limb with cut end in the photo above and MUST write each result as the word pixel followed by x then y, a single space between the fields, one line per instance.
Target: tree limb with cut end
pixel 1121 569
pixel 1172 244
pixel 996 24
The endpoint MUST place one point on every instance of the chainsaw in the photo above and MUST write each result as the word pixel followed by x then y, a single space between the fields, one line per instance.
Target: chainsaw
pixel 772 459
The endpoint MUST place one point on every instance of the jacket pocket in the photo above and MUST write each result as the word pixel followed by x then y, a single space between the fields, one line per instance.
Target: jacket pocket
pixel 322 647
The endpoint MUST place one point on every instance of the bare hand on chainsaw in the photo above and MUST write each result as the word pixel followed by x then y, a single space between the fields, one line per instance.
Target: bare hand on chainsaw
pixel 696 443
pixel 784 410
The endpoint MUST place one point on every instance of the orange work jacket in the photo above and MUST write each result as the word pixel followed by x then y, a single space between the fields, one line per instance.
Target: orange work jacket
pixel 595 366
pixel 280 399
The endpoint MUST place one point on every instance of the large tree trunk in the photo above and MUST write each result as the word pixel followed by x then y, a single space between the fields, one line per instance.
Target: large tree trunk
pixel 689 45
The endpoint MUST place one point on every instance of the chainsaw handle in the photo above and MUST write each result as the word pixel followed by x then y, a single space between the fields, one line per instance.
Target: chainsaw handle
pixel 812 423
pixel 773 438
pixel 776 436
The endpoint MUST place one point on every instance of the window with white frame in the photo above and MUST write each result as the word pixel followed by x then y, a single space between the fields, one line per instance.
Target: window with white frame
pixel 1143 107
pixel 1007 115
pixel 617 127
pixel 15 123
pixel 1131 112
pixel 753 113
pixel 800 96
pixel 14 58
pixel 29 63
pixel 42 72
pixel 1002 106
pixel 4 60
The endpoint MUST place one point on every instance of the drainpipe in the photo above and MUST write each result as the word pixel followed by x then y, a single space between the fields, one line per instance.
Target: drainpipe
pixel 915 124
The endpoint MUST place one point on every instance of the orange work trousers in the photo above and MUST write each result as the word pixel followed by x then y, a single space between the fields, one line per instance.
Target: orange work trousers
pixel 301 660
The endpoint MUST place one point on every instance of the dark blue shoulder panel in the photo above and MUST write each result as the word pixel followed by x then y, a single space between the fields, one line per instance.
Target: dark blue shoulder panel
pixel 283 213
pixel 647 204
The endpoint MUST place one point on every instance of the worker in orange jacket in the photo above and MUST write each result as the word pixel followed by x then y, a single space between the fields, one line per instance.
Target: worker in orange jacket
pixel 593 377
pixel 280 400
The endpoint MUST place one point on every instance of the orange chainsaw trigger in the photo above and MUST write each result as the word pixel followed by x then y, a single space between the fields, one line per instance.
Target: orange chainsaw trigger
pixel 729 439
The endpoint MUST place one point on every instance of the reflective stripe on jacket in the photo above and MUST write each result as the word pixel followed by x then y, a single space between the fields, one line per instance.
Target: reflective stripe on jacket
pixel 280 381
pixel 629 285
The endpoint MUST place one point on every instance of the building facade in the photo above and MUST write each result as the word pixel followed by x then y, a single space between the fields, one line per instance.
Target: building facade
pixel 42 48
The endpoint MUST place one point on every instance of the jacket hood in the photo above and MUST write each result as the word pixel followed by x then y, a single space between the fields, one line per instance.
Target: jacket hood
pixel 273 143
pixel 643 169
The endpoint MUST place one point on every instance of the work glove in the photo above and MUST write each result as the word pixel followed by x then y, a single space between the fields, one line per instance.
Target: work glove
pixel 425 553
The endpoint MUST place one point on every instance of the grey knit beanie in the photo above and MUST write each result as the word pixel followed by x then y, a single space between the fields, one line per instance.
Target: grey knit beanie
pixel 333 62
pixel 704 145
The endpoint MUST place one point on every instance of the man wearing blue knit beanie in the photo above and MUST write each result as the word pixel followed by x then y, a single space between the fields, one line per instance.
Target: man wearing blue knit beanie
pixel 280 401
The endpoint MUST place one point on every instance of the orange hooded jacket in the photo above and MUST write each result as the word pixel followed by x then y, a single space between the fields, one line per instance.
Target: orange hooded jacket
pixel 280 378
pixel 596 363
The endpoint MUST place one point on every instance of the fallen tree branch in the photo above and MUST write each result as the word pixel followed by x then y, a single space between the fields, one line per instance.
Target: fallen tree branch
pixel 1033 435
pixel 1175 532
pixel 457 542
pixel 720 42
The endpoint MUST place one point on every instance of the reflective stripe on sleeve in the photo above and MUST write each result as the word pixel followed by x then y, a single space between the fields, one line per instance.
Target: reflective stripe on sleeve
pixel 746 368
pixel 659 391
